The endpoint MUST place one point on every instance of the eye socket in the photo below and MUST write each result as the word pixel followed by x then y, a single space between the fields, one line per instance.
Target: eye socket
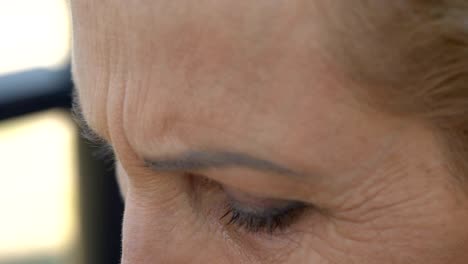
pixel 261 215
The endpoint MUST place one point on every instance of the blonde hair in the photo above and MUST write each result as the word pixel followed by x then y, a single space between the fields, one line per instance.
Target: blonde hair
pixel 412 58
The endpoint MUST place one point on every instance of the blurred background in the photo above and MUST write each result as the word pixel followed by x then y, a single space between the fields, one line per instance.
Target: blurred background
pixel 58 204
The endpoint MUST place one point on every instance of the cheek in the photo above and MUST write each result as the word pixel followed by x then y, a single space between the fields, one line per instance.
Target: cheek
pixel 169 232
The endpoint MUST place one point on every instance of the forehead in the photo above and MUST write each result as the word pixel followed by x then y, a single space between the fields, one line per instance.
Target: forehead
pixel 184 76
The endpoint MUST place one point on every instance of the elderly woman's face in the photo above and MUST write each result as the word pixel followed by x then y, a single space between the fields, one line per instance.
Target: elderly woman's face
pixel 238 141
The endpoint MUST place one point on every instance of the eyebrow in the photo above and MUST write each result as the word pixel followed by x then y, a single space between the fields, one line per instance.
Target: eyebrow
pixel 189 161
pixel 203 160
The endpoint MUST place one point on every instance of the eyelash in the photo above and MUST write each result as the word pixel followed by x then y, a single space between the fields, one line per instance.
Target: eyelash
pixel 269 221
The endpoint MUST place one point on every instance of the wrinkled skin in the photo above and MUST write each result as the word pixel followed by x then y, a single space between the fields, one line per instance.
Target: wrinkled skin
pixel 157 78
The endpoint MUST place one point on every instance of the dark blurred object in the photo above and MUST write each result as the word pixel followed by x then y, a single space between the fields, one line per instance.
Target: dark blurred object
pixel 34 90
pixel 101 206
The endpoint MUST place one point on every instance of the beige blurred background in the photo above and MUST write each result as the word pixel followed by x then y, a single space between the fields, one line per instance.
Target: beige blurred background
pixel 39 205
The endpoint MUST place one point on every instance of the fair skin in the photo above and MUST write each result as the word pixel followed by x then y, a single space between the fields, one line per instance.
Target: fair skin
pixel 246 92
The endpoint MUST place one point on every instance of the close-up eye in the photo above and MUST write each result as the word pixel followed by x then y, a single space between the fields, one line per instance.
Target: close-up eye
pixel 248 213
pixel 256 214
pixel 299 131
pixel 234 132
pixel 261 215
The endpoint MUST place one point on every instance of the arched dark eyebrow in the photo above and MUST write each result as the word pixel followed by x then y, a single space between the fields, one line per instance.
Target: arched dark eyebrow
pixel 203 160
